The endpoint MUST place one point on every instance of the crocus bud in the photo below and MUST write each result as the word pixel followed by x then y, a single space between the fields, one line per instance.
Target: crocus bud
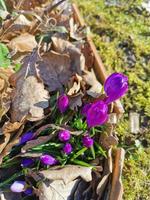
pixel 67 148
pixel 64 135
pixel 18 186
pixel 26 162
pixel 96 113
pixel 26 137
pixel 87 141
pixel 48 160
pixel 28 191
pixel 116 85
pixel 63 103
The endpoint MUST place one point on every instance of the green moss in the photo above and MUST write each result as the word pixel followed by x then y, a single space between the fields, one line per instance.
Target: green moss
pixel 121 35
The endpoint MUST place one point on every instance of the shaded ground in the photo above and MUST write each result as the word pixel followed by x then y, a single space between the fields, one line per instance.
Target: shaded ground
pixel 121 34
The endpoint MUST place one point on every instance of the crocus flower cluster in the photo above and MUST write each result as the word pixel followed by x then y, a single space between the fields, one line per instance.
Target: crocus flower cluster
pixel 64 136
pixel 63 103
pixel 115 87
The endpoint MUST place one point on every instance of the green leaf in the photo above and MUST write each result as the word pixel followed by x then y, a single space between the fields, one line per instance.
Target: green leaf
pixel 82 163
pixel 4 60
pixel 17 67
pixel 80 152
pixel 2 5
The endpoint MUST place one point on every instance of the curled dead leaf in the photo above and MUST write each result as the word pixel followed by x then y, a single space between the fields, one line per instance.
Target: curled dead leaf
pixel 74 85
pixel 96 87
pixel 28 100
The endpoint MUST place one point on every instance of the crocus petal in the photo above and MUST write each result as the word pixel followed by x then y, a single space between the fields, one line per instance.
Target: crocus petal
pixel 48 160
pixel 87 141
pixel 26 162
pixel 64 135
pixel 85 109
pixel 28 191
pixel 18 186
pixel 63 103
pixel 97 114
pixel 26 137
pixel 67 148
pixel 115 86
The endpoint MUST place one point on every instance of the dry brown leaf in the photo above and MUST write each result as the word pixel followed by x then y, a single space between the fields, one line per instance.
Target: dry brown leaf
pixel 28 100
pixel 74 85
pixel 96 87
pixel 75 101
pixel 23 43
pixel 57 190
pixel 117 187
pixel 13 27
pixel 54 69
pixel 77 58
pixel 28 68
pixel 8 130
pixel 63 181
pixel 38 141
pixel 107 141
pixel 5 91
pixel 68 173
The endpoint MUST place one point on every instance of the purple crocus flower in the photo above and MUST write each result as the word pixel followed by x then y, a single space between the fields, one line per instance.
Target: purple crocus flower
pixel 26 162
pixel 87 141
pixel 48 159
pixel 64 135
pixel 63 103
pixel 85 109
pixel 26 137
pixel 96 113
pixel 67 148
pixel 18 186
pixel 116 85
pixel 28 191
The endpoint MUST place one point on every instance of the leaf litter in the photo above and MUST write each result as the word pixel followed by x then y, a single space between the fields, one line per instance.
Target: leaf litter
pixel 50 46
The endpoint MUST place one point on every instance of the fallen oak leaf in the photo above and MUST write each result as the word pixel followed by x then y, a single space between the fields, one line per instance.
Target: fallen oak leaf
pixel 90 79
pixel 28 100
pixel 54 69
